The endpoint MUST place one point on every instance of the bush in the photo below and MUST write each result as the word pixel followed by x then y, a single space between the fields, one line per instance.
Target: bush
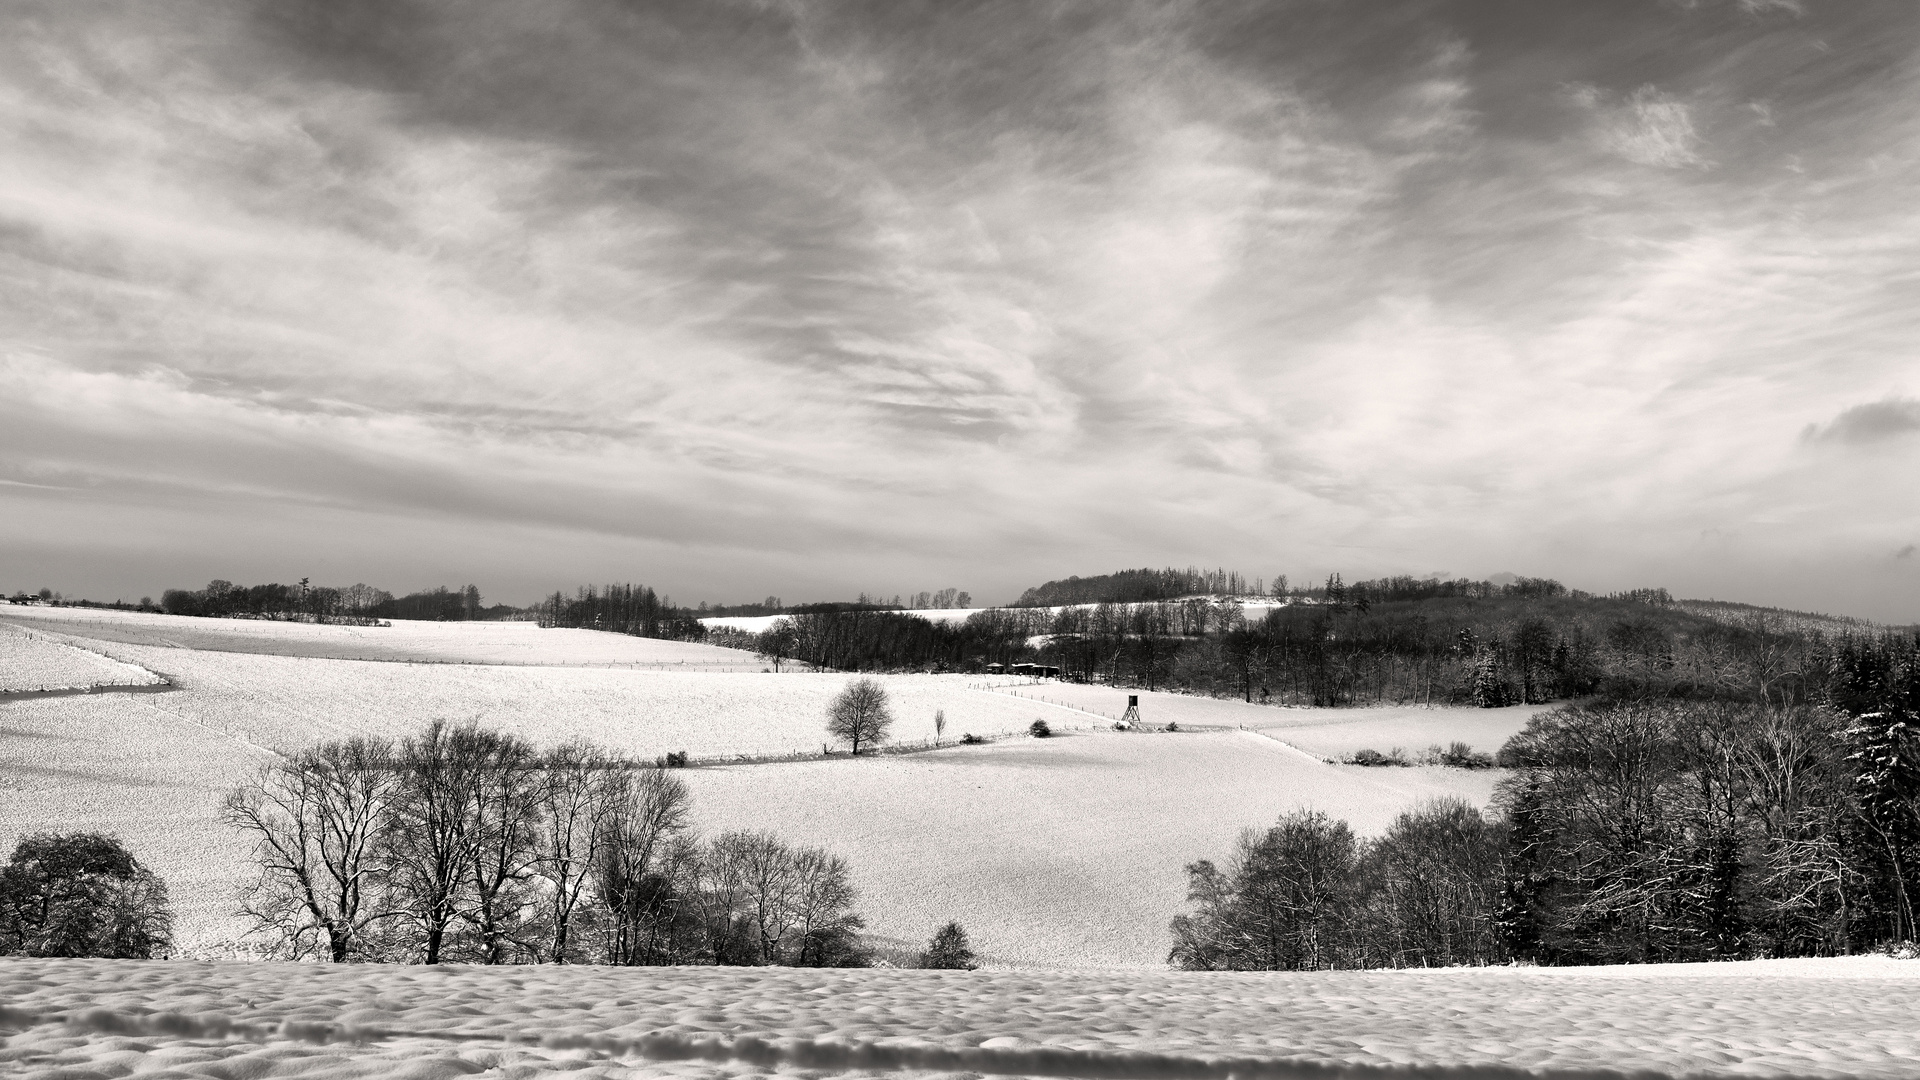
pixel 1039 729
pixel 81 894
pixel 948 951
pixel 970 739
pixel 675 759
pixel 1461 756
pixel 1375 759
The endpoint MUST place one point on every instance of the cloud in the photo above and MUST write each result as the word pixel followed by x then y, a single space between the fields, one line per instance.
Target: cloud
pixel 1007 292
pixel 1873 422
pixel 1650 127
pixel 1905 552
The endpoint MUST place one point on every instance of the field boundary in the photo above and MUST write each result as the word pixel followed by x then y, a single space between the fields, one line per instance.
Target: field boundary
pixel 162 687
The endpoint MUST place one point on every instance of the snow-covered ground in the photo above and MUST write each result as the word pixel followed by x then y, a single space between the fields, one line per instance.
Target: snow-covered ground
pixel 31 661
pixel 1064 852
pixel 1060 852
pixel 1327 733
pixel 404 640
pixel 1849 1017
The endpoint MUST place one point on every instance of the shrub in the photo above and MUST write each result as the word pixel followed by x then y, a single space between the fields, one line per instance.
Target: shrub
pixel 970 739
pixel 1461 756
pixel 675 759
pixel 1375 759
pixel 948 951
pixel 81 894
pixel 1039 729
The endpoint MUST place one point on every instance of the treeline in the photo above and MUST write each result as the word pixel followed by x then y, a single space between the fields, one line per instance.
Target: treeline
pixel 879 640
pixel 622 609
pixel 1633 831
pixel 1143 586
pixel 465 844
pixel 1394 640
pixel 305 602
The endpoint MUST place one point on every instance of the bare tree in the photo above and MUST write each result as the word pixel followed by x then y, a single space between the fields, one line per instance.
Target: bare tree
pixel 639 862
pixel 1432 888
pixel 765 902
pixel 939 725
pixel 825 927
pixel 317 819
pixel 766 870
pixel 431 833
pixel 1284 902
pixel 776 643
pixel 504 805
pixel 576 806
pixel 860 714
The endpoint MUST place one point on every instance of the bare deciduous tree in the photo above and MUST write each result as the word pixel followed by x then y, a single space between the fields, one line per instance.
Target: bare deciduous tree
pixel 575 809
pixel 765 902
pixel 317 819
pixel 860 714
pixel 639 861
pixel 431 831
pixel 505 806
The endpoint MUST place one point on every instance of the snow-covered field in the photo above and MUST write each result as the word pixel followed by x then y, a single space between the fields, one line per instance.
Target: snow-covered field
pixel 32 661
pixel 1066 851
pixel 288 702
pixel 1326 733
pixel 126 764
pixel 404 640
pixel 1849 1017
pixel 1059 852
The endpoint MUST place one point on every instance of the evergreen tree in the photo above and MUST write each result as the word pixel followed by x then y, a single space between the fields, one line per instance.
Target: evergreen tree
pixel 1879 688
pixel 1523 916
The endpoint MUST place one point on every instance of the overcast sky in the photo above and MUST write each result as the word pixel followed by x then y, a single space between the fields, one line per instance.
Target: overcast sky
pixel 740 298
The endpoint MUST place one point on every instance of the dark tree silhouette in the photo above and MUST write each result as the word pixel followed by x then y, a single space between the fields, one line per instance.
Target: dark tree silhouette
pixel 317 820
pixel 81 894
pixel 949 950
pixel 860 714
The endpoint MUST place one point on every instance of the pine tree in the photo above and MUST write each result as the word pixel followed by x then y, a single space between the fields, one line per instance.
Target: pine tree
pixel 1879 688
pixel 1521 923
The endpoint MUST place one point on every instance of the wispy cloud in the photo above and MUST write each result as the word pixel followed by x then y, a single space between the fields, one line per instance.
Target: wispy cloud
pixel 732 296
pixel 1876 421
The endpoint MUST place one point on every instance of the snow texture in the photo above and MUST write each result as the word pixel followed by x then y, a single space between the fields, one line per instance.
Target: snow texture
pixel 1847 1017
pixel 402 640
pixel 33 662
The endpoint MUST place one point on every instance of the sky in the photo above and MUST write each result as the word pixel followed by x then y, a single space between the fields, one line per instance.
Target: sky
pixel 741 298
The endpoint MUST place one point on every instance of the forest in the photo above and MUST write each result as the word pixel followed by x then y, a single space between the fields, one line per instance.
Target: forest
pixel 1630 830
pixel 622 609
pixel 353 604
pixel 1393 640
